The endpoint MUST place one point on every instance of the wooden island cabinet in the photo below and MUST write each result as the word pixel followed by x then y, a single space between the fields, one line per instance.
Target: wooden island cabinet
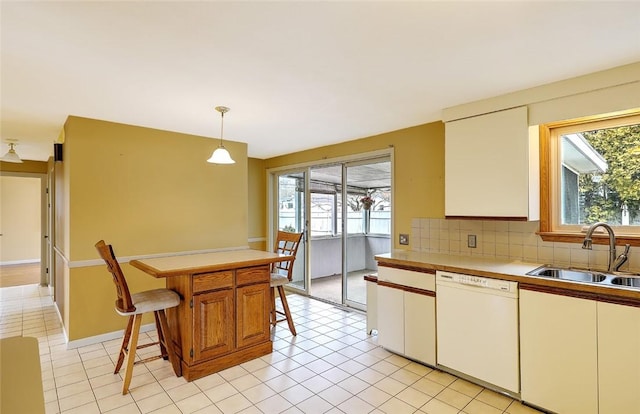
pixel 223 316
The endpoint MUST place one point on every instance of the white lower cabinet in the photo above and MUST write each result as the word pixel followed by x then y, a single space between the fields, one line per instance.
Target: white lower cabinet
pixel 618 358
pixel 420 327
pixel 406 313
pixel 372 303
pixel 559 352
pixel 391 318
pixel 579 355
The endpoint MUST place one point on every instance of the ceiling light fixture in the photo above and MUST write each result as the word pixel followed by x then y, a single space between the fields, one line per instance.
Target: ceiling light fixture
pixel 221 155
pixel 11 155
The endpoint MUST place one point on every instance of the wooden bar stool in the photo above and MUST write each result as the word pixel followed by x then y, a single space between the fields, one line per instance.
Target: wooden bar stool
pixel 281 274
pixel 134 306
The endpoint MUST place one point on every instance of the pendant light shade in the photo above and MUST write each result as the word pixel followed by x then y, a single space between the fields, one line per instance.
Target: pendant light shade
pixel 11 155
pixel 221 155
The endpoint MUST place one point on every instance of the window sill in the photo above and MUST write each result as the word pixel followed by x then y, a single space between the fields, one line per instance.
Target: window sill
pixel 597 238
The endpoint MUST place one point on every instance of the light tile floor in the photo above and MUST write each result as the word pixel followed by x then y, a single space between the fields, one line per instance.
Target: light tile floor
pixel 332 366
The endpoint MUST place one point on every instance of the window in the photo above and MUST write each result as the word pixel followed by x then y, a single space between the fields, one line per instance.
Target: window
pixel 590 172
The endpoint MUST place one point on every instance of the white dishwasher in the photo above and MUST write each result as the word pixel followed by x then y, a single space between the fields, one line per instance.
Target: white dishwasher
pixel 477 328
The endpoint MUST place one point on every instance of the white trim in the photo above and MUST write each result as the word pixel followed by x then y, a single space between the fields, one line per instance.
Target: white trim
pixel 587 151
pixel 126 259
pixel 64 328
pixel 61 255
pixel 92 340
pixel 16 262
pixel 586 88
pixel 257 239
pixel 345 158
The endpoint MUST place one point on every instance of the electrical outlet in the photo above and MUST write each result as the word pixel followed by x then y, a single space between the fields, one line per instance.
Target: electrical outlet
pixel 404 239
pixel 471 241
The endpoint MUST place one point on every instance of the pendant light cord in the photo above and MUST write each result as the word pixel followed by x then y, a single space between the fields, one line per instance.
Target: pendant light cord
pixel 221 128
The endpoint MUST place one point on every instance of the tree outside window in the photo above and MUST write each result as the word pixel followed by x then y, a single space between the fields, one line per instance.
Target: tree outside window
pixel 609 190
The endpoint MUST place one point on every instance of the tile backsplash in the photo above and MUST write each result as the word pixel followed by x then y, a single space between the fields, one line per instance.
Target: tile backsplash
pixel 514 240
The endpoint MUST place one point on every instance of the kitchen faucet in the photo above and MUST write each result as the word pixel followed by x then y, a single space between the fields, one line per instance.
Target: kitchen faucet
pixel 614 263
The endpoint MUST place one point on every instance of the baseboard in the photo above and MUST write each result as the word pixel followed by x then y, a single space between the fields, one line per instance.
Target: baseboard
pixel 19 262
pixel 91 340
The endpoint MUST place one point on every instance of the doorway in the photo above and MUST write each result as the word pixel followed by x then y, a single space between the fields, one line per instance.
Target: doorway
pixel 23 218
pixel 345 210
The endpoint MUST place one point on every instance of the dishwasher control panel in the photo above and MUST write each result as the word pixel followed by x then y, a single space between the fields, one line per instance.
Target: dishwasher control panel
pixel 481 282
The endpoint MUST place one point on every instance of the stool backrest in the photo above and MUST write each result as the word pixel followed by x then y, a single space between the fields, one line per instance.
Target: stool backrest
pixel 286 243
pixel 123 303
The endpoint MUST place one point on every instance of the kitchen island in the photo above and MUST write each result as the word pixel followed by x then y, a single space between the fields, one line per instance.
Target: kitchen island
pixel 223 316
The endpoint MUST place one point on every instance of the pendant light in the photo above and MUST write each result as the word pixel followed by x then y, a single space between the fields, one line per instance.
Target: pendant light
pixel 221 155
pixel 11 155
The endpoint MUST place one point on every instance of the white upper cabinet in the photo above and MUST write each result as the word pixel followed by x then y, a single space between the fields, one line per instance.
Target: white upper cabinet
pixel 492 166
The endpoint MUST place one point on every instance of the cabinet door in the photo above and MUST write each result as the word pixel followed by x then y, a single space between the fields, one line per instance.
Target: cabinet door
pixel 213 324
pixel 619 358
pixel 391 318
pixel 558 352
pixel 252 310
pixel 490 166
pixel 420 327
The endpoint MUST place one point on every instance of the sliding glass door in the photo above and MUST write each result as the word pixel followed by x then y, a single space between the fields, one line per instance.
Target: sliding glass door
pixel 345 209
pixel 291 217
pixel 368 224
pixel 325 192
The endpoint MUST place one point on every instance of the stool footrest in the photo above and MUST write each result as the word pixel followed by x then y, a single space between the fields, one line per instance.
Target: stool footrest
pixel 149 359
pixel 147 345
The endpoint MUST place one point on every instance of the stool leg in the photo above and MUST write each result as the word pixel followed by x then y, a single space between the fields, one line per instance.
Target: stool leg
pixel 285 305
pixel 168 344
pixel 125 342
pixel 273 307
pixel 161 340
pixel 131 354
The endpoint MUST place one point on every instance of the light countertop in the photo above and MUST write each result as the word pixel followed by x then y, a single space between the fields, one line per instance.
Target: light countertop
pixel 206 262
pixel 513 270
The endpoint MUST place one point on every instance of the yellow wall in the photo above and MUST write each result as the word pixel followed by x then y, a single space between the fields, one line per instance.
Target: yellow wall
pixel 418 170
pixel 92 296
pixel 257 203
pixel 150 191
pixel 20 219
pixel 146 192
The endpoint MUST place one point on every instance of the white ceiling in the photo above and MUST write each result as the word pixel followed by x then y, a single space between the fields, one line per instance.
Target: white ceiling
pixel 296 75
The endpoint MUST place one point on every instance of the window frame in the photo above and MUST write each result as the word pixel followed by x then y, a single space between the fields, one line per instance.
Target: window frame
pixel 549 167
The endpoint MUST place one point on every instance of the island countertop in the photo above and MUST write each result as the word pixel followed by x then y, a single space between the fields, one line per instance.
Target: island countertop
pixel 176 265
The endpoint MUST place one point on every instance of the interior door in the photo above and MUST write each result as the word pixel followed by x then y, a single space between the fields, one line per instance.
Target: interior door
pixel 292 217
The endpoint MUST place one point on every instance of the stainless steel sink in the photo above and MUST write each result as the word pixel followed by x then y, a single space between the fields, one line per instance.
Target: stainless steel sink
pixel 621 279
pixel 575 275
pixel 631 281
